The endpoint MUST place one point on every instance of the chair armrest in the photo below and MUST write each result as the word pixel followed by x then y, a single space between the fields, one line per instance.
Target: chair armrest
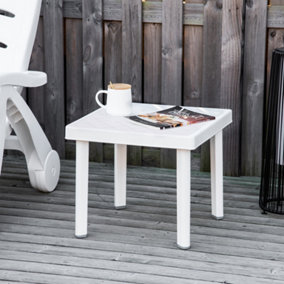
pixel 23 79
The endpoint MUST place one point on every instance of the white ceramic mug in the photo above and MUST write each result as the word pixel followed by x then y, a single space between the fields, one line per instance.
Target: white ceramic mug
pixel 119 99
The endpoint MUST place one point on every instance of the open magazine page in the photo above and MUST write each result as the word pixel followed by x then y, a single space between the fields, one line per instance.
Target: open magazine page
pixel 171 117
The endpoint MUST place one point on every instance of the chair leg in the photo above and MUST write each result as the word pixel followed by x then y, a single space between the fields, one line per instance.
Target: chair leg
pixel 43 163
pixel 2 126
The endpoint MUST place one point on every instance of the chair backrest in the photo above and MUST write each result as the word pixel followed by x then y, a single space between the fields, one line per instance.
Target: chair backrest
pixel 18 26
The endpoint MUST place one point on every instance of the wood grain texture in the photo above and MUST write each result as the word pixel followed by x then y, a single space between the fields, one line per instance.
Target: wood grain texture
pixel 54 103
pixel 193 64
pixel 74 70
pixel 132 46
pixel 132 59
pixel 37 231
pixel 92 52
pixel 36 95
pixel 275 16
pixel 211 79
pixel 172 44
pixel 230 94
pixel 253 87
pixel 112 52
pixel 275 40
pixel 152 63
pixel 92 62
pixel 152 11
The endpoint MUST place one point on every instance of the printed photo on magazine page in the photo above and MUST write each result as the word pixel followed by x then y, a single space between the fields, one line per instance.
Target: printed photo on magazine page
pixel 172 117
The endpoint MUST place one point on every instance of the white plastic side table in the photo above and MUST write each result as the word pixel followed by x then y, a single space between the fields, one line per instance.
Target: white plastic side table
pixel 100 127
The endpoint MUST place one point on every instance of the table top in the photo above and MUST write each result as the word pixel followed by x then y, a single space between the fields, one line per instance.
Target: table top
pixel 99 126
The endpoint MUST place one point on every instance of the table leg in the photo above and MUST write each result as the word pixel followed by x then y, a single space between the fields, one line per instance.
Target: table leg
pixel 183 198
pixel 120 166
pixel 82 177
pixel 216 160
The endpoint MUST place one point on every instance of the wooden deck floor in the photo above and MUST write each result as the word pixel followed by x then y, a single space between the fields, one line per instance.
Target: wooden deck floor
pixel 136 245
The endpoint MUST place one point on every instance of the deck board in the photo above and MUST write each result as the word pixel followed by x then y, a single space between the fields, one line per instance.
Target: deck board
pixel 135 245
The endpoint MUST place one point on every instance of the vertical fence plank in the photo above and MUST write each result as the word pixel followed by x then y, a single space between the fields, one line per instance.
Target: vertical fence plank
pixel 172 38
pixel 211 82
pixel 92 52
pixel 275 40
pixel 54 66
pixel 193 56
pixel 253 86
pixel 172 44
pixel 74 71
pixel 113 51
pixel 132 58
pixel 152 63
pixel 92 62
pixel 222 72
pixel 152 80
pixel 113 66
pixel 74 76
pixel 231 81
pixel 36 95
pixel 132 46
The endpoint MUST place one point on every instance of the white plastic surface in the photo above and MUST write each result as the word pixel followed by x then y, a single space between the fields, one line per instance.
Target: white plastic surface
pixel 23 79
pixel 99 126
pixel 17 34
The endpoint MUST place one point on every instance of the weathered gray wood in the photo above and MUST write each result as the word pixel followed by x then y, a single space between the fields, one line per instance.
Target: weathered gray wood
pixel 151 157
pixel 113 51
pixel 37 230
pixel 275 16
pixel 132 58
pixel 92 62
pixel 152 63
pixel 275 40
pixel 54 103
pixel 132 46
pixel 152 11
pixel 253 86
pixel 193 57
pixel 172 43
pixel 211 82
pixel 74 70
pixel 152 80
pixel 230 96
pixel 92 52
pixel 36 95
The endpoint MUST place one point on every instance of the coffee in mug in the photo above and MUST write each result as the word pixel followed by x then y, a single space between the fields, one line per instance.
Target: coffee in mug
pixel 119 99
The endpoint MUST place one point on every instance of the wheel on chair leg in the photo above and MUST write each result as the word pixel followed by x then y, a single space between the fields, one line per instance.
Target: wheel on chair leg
pixel 47 180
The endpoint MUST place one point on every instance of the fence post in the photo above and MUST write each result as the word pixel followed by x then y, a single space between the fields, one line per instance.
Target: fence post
pixel 253 86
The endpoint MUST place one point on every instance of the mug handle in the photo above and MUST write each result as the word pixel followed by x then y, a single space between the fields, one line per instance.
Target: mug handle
pixel 97 98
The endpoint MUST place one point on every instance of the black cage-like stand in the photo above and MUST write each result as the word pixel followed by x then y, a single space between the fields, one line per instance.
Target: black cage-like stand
pixel 272 179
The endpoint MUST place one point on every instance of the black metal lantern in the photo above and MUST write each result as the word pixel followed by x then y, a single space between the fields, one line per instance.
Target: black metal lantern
pixel 272 178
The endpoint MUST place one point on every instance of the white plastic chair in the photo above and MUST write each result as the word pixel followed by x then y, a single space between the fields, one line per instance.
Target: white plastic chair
pixel 18 25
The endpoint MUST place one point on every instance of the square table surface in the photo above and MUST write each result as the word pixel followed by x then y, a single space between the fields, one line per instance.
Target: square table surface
pixel 99 126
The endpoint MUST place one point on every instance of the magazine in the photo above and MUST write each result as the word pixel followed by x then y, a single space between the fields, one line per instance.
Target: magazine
pixel 172 117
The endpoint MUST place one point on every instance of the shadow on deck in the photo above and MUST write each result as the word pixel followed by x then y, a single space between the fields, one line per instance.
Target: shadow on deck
pixel 138 244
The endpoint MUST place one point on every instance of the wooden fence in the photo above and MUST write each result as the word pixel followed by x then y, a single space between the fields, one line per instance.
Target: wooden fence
pixel 200 53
